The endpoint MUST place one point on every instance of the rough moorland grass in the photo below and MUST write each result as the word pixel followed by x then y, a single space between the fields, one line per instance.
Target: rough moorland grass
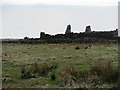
pixel 99 73
pixel 17 55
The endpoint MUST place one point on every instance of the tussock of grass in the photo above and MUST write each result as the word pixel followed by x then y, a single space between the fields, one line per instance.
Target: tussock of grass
pixel 36 70
pixel 106 71
pixel 70 75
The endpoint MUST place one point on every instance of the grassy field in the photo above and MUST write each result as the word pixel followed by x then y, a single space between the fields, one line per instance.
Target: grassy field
pixel 68 59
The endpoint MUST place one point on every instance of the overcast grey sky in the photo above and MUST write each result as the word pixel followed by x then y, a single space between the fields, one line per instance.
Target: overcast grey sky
pixel 19 21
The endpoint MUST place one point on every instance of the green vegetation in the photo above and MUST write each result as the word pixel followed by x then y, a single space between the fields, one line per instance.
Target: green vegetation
pixel 60 65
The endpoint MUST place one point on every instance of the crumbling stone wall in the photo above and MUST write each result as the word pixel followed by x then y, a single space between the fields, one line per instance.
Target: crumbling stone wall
pixel 68 30
pixel 88 29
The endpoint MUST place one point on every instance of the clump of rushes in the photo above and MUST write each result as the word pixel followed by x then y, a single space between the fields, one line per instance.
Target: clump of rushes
pixel 26 73
pixel 68 74
pixel 36 70
pixel 106 71
pixel 82 74
pixel 71 70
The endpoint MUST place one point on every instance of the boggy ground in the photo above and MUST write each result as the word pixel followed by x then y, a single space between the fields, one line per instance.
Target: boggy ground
pixel 59 65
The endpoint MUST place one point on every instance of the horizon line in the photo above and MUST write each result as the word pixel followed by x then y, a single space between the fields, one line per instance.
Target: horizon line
pixel 53 34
